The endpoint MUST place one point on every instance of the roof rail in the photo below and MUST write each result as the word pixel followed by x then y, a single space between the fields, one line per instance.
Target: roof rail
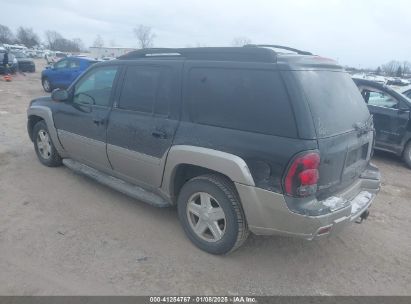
pixel 206 53
pixel 151 52
pixel 279 47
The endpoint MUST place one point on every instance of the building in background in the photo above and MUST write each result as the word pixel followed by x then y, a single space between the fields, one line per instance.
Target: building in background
pixel 108 52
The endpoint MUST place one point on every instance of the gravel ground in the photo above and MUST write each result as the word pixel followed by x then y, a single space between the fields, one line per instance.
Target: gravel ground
pixel 63 234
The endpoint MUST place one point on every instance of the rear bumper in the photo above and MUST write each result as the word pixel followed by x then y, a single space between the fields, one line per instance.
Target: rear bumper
pixel 267 212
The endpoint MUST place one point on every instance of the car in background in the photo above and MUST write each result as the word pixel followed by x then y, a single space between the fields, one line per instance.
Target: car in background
pixel 25 64
pixel 62 73
pixel 392 123
pixel 13 65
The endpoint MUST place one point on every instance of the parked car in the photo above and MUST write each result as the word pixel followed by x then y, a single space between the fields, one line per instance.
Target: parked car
pixel 240 139
pixel 62 73
pixel 407 92
pixel 13 66
pixel 391 111
pixel 25 64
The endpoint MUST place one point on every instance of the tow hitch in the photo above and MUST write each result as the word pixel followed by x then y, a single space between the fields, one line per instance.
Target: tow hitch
pixel 363 216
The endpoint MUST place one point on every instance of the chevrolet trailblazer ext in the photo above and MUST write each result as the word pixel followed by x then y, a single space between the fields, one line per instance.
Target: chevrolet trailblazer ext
pixel 261 138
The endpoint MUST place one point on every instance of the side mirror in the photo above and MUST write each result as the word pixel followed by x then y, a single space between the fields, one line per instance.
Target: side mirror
pixel 59 95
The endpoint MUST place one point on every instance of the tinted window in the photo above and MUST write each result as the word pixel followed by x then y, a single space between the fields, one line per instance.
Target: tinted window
pixel 146 88
pixel 95 87
pixel 74 64
pixel 61 64
pixel 379 99
pixel 248 100
pixel 334 99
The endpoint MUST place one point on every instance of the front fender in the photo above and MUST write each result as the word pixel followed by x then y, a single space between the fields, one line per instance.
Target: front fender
pixel 46 114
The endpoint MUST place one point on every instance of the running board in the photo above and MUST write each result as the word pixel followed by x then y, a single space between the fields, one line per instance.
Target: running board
pixel 117 184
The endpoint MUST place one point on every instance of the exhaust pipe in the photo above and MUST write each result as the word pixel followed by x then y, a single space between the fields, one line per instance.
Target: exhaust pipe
pixel 363 216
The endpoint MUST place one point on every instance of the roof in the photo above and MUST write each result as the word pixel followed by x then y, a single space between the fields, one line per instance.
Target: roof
pixel 282 55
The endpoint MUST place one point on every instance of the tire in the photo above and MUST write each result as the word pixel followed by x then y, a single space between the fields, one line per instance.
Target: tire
pixel 46 85
pixel 44 147
pixel 221 196
pixel 407 154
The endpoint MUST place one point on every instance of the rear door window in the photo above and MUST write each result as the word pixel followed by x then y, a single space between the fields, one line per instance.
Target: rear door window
pixel 146 89
pixel 62 64
pixel 241 99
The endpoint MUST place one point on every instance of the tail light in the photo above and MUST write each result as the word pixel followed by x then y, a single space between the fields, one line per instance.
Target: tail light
pixel 302 175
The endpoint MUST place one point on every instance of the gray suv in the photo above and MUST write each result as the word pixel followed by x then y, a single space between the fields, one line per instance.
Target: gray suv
pixel 261 138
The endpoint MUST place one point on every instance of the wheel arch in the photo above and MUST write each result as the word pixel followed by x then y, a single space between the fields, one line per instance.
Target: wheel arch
pixel 31 122
pixel 185 162
pixel 39 113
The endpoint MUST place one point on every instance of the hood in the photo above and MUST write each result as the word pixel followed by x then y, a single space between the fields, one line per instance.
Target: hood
pixel 41 101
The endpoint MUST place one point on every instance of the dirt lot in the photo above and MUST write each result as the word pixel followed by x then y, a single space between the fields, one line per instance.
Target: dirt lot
pixel 61 233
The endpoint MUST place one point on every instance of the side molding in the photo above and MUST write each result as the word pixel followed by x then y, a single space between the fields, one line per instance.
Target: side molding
pixel 47 115
pixel 228 164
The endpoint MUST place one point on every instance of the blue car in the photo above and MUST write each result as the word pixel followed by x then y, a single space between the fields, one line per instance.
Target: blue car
pixel 62 73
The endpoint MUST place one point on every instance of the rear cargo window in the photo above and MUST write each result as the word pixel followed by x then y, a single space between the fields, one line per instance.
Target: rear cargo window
pixel 335 101
pixel 241 99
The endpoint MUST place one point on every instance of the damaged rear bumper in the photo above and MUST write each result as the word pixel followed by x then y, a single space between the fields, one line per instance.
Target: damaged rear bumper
pixel 267 212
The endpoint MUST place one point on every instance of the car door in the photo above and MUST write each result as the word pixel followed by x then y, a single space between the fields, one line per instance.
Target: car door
pixel 73 71
pixel 56 76
pixel 391 117
pixel 81 121
pixel 143 121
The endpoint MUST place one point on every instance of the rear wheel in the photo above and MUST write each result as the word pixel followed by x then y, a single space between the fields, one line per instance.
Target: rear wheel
pixel 211 214
pixel 46 85
pixel 44 147
pixel 407 154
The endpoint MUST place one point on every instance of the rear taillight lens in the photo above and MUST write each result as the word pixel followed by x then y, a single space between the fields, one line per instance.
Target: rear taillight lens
pixel 302 176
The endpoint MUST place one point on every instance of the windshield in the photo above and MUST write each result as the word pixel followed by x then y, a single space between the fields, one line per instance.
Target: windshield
pixel 335 102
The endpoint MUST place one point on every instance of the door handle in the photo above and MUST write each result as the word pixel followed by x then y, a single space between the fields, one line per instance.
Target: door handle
pixel 98 121
pixel 159 134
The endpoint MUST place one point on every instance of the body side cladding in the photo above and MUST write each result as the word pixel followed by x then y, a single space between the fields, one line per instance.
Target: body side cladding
pixel 228 164
pixel 46 114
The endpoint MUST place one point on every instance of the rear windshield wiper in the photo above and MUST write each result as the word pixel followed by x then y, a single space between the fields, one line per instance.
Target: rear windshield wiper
pixel 364 127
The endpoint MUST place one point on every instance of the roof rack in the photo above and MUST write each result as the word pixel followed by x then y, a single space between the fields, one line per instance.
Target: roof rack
pixel 281 47
pixel 250 53
pixel 151 52
pixel 206 53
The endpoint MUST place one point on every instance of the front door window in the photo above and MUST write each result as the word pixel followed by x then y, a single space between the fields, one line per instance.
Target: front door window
pixel 95 87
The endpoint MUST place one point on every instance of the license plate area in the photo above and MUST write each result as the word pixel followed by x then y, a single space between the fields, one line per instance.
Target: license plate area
pixel 358 154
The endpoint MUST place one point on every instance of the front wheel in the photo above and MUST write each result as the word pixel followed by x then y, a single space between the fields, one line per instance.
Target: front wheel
pixel 44 147
pixel 407 154
pixel 46 85
pixel 211 214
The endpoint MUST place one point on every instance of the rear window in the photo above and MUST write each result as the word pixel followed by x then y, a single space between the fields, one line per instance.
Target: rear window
pixel 241 99
pixel 335 101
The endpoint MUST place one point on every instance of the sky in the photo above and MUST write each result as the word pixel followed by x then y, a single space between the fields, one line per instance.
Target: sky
pixel 359 33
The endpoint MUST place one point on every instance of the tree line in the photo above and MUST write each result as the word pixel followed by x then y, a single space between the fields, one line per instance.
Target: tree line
pixel 145 39
pixel 395 68
pixel 53 40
